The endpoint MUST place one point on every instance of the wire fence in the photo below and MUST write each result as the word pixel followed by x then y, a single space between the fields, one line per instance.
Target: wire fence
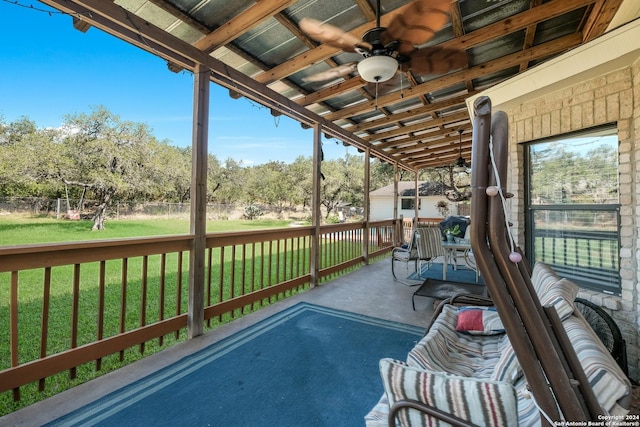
pixel 60 208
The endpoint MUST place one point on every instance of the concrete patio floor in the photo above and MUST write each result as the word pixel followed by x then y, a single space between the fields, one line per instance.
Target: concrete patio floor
pixel 370 290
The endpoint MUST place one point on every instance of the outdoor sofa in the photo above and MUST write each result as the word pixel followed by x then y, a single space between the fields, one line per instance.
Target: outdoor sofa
pixel 466 366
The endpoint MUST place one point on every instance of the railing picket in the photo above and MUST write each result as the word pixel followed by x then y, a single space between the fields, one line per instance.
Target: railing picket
pixel 74 313
pixel 269 264
pixel 179 289
pixel 243 275
pixel 143 296
pixel 14 327
pixel 101 285
pixel 253 270
pixel 123 300
pixel 209 276
pixel 44 326
pixel 278 261
pixel 289 259
pixel 221 280
pixel 261 269
pixel 162 296
pixel 232 288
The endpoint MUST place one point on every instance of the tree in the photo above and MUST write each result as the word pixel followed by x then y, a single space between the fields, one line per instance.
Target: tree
pixel 109 157
pixel 300 172
pixel 25 157
pixel 229 182
pixel 342 183
pixel 269 183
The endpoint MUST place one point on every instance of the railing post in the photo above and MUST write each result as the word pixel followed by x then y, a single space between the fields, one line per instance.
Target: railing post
pixel 396 238
pixel 365 231
pixel 416 203
pixel 314 254
pixel 198 219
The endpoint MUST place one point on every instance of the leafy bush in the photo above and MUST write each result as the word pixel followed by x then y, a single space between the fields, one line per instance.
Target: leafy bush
pixel 252 212
pixel 332 219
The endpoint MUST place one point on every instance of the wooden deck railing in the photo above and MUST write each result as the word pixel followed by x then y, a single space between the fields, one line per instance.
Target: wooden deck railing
pixel 102 298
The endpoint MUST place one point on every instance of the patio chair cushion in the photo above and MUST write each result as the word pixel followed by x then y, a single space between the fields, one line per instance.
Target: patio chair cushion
pixel 479 321
pixel 481 402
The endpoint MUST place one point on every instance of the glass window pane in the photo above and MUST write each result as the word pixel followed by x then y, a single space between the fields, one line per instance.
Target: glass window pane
pixel 581 169
pixel 581 245
pixel 573 222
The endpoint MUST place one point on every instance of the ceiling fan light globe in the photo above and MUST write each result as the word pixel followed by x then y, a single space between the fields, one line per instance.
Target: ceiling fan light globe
pixel 377 69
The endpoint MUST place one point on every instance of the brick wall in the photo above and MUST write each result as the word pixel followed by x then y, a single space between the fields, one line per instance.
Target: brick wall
pixel 610 98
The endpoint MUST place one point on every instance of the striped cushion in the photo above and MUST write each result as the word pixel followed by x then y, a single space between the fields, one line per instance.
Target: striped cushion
pixel 507 368
pixel 484 403
pixel 543 278
pixel 528 413
pixel 379 415
pixel 561 296
pixel 609 383
pixel 552 290
pixel 445 350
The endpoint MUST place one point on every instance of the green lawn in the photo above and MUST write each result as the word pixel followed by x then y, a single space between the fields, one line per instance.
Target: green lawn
pixel 24 230
pixel 27 230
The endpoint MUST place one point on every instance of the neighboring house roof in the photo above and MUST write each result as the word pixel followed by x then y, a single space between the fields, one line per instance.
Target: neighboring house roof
pixel 407 189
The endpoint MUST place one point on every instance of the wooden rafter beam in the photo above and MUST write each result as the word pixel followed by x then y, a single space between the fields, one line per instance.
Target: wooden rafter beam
pixel 458 30
pixel 420 126
pixel 318 54
pixel 366 9
pixel 538 52
pixel 599 18
pixel 507 26
pixel 515 23
pixel 405 144
pixel 412 113
pixel 442 143
pixel 530 34
pixel 330 92
pixel 240 24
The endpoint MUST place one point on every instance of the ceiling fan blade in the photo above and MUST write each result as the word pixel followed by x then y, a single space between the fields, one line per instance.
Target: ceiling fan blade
pixel 436 60
pixel 333 73
pixel 417 24
pixel 332 35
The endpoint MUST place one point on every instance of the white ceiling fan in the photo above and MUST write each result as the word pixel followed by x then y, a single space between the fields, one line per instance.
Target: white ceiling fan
pixel 385 50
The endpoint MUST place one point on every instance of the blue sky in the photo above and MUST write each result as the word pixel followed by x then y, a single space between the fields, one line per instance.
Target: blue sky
pixel 48 70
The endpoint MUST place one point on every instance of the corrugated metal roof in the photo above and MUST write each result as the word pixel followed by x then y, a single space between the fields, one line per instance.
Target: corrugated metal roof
pixel 412 120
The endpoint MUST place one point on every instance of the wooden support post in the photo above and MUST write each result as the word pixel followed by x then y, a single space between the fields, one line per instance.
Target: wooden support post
pixel 416 203
pixel 198 219
pixel 365 232
pixel 314 262
pixel 399 232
